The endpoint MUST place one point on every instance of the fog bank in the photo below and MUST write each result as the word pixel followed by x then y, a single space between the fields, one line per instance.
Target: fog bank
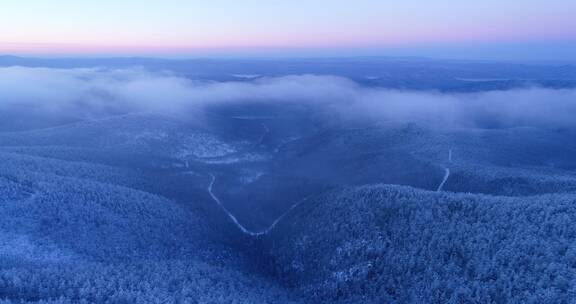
pixel 87 93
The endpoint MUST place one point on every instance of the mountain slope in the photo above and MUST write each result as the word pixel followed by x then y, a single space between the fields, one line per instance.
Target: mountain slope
pixel 74 232
pixel 394 244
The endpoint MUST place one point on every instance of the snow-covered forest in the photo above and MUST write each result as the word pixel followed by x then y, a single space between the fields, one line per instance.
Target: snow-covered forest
pixel 160 185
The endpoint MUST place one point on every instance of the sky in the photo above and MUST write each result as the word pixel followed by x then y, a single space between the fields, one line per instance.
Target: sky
pixel 488 29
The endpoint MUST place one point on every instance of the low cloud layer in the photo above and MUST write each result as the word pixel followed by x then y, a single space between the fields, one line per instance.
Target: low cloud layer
pixel 92 92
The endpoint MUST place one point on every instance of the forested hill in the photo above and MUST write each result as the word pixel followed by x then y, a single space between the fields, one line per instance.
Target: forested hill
pixel 395 244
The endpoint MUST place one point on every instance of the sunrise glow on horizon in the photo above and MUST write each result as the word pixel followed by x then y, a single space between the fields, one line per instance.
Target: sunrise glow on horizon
pixel 178 27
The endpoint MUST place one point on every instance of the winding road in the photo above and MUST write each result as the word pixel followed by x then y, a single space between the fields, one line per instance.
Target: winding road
pixel 235 220
pixel 446 173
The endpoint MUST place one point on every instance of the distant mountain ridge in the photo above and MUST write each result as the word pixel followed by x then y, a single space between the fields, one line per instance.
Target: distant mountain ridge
pixel 406 73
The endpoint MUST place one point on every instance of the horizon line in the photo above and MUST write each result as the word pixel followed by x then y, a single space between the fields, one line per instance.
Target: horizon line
pixel 271 57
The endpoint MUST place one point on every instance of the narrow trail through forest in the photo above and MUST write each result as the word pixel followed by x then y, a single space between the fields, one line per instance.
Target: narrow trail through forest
pixel 446 173
pixel 234 219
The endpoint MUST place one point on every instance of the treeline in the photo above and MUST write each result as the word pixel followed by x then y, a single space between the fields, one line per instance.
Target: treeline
pixel 505 181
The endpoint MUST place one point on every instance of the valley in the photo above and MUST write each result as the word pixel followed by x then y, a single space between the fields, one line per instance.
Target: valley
pixel 276 214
